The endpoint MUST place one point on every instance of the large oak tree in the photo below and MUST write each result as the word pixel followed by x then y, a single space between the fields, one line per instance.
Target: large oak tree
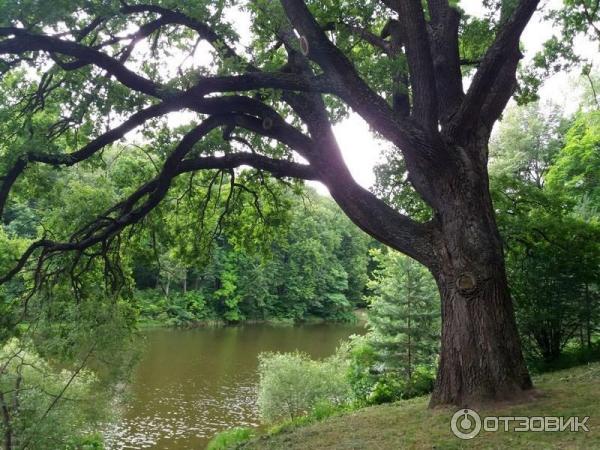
pixel 400 64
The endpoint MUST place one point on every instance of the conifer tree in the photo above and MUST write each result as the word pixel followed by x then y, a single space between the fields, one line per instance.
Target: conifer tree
pixel 404 313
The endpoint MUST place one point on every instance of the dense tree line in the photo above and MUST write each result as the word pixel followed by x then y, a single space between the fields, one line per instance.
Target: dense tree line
pixel 545 181
pixel 314 267
pixel 294 258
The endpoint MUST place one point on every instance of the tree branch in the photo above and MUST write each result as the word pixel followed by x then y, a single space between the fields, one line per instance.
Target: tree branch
pixel 369 37
pixel 492 65
pixel 175 17
pixel 443 34
pixel 362 207
pixel 105 227
pixel 420 64
pixel 351 87
pixel 24 41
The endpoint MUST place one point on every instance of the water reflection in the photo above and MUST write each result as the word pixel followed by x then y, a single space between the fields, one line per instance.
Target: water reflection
pixel 191 384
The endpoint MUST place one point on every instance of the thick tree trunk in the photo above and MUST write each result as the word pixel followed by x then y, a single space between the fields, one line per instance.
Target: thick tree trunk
pixel 481 359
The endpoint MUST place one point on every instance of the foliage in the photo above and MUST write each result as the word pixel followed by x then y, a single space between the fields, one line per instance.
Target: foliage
pixel 47 407
pixel 527 141
pixel 404 313
pixel 573 355
pixel 396 359
pixel 81 318
pixel 292 384
pixel 371 385
pixel 228 439
pixel 574 19
pixel 575 174
pixel 549 220
pixel 394 186
pixel 316 266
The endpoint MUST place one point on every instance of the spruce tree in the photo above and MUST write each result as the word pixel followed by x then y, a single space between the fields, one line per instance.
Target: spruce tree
pixel 404 314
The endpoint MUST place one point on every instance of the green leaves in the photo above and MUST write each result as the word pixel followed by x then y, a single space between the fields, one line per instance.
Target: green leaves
pixel 544 186
pixel 30 385
pixel 576 19
pixel 291 384
pixel 395 359
pixel 527 140
pixel 576 171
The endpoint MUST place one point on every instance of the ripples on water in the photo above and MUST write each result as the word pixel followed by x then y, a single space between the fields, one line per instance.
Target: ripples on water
pixel 172 416
pixel 190 385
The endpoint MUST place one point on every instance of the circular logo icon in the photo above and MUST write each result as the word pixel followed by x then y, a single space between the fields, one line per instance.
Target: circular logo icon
pixel 465 424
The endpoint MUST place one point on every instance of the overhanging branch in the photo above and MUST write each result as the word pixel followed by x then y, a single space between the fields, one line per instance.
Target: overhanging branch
pixel 130 211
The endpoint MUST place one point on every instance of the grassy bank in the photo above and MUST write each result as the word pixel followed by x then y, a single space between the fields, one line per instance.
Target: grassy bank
pixel 409 424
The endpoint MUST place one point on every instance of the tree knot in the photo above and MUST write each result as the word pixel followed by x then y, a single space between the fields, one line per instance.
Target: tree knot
pixel 466 283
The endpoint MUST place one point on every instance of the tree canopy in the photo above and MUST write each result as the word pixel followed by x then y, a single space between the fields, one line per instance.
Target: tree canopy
pixel 85 80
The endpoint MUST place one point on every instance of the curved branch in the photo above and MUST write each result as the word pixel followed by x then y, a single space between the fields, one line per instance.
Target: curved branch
pixel 370 38
pixel 106 227
pixel 351 87
pixel 368 212
pixel 69 159
pixel 24 41
pixel 175 17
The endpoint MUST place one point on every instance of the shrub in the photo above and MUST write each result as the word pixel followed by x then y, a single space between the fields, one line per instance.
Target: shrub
pixel 37 414
pixel 391 386
pixel 292 384
pixel 373 384
pixel 362 373
pixel 230 438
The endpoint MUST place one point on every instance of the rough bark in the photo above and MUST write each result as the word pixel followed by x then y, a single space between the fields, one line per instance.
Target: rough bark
pixel 481 359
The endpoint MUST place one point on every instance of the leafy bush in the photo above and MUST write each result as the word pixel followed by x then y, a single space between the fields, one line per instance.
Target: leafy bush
pixel 371 384
pixel 230 438
pixel 292 384
pixel 361 374
pixel 46 408
pixel 391 387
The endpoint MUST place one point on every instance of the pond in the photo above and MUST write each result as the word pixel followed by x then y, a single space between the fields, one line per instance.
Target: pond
pixel 191 384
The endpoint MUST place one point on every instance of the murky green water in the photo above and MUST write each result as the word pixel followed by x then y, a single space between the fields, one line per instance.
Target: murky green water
pixel 191 384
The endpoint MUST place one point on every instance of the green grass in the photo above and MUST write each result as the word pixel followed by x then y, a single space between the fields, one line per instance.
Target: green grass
pixel 410 424
pixel 230 438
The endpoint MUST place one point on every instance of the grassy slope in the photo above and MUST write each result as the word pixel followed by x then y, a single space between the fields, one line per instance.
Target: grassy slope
pixel 409 424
